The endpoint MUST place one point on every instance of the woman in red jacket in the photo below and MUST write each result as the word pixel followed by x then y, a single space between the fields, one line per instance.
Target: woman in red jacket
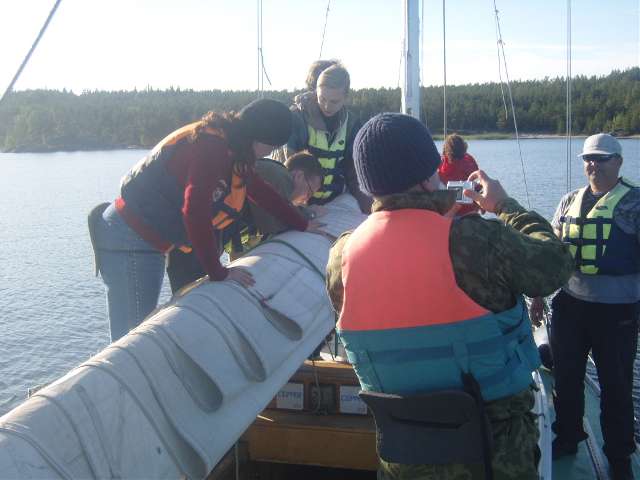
pixel 181 195
pixel 457 165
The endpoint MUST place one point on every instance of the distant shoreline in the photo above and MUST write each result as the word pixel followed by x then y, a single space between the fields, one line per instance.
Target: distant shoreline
pixel 106 148
pixel 527 136
pixel 470 136
pixel 51 121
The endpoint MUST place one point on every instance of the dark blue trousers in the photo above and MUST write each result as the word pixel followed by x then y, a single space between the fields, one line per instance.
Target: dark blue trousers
pixel 610 332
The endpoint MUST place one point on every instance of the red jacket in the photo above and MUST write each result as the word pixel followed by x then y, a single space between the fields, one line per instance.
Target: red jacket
pixel 458 170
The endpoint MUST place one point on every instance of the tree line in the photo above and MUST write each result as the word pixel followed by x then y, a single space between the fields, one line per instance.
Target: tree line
pixel 48 120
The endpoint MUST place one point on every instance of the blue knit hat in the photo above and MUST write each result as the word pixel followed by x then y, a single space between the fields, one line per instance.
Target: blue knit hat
pixel 393 152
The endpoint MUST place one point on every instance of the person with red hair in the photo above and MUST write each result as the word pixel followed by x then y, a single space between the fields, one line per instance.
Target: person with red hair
pixel 457 165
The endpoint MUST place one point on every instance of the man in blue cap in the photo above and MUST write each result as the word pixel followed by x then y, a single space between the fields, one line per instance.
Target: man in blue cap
pixel 430 305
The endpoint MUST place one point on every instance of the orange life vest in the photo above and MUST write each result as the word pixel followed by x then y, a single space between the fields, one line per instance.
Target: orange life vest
pixel 397 273
pixel 406 325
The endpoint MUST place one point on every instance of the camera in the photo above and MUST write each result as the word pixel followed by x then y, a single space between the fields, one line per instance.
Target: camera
pixel 458 187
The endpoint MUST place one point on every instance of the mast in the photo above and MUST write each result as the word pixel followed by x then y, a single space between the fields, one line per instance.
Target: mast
pixel 410 90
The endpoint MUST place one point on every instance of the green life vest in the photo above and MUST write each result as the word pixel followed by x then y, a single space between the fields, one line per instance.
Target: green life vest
pixel 598 245
pixel 330 156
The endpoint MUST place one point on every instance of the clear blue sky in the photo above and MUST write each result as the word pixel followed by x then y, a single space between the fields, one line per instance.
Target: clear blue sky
pixel 207 44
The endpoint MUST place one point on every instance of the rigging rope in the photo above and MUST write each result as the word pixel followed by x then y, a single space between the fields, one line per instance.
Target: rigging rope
pixel 400 62
pixel 421 64
pixel 513 110
pixel 324 30
pixel 568 117
pixel 259 39
pixel 444 59
pixel 262 72
pixel 421 50
pixel 31 50
pixel 504 101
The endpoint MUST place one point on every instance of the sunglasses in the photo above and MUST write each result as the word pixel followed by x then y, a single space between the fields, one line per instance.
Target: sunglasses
pixel 597 158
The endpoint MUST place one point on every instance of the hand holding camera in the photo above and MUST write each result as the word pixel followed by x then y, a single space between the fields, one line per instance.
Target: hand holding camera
pixel 491 193
pixel 459 187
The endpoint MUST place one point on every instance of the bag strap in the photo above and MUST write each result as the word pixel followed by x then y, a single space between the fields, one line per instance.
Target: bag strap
pixel 472 387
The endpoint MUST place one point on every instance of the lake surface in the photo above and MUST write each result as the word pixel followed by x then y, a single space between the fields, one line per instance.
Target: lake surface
pixel 52 307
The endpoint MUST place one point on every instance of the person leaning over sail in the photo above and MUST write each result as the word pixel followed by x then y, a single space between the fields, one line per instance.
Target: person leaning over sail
pixel 598 308
pixel 180 196
pixel 295 181
pixel 324 126
pixel 428 304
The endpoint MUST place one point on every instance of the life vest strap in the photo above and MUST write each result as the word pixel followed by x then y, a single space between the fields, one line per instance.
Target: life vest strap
pixel 587 262
pixel 580 221
pixel 322 153
pixel 481 347
pixel 220 206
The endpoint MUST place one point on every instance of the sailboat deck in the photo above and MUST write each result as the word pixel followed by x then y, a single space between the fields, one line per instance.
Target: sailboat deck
pixel 590 461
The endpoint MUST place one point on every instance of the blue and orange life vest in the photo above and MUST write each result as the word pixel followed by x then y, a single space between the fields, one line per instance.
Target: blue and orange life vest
pixel 406 325
pixel 155 197
pixel 598 245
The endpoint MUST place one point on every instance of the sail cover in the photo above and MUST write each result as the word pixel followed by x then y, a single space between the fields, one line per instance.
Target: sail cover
pixel 170 398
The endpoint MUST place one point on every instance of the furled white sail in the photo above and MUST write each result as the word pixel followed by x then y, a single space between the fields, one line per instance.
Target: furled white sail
pixel 171 397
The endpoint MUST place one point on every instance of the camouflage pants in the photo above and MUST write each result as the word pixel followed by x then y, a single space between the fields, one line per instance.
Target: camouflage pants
pixel 515 448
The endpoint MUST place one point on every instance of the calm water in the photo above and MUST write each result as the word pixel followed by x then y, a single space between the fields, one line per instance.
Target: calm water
pixel 52 308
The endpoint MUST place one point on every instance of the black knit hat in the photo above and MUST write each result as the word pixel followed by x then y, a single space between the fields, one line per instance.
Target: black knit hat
pixel 266 121
pixel 393 152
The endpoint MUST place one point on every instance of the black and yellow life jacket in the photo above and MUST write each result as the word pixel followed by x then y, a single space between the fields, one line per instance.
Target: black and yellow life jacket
pixel 330 152
pixel 226 209
pixel 597 244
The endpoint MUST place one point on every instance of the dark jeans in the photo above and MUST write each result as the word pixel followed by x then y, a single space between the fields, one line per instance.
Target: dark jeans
pixel 610 331
pixel 184 268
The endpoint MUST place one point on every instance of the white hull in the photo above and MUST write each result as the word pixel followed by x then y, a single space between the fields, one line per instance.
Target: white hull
pixel 170 398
